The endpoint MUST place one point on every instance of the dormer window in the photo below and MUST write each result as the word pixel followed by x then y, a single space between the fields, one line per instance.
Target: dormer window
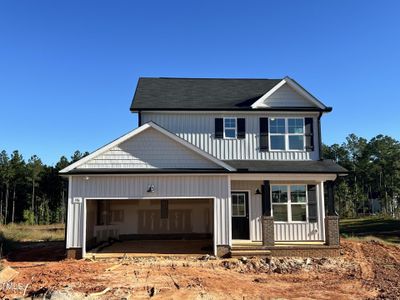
pixel 230 128
pixel 287 134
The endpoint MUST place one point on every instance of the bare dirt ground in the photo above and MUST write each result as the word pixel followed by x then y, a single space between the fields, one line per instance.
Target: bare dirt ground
pixel 365 270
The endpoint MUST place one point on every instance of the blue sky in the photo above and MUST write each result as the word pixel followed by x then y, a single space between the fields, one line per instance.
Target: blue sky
pixel 68 69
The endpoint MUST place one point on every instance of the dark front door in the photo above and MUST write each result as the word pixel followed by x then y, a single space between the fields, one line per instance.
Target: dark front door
pixel 240 215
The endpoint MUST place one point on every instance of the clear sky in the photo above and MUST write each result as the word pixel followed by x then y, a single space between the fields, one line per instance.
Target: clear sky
pixel 68 70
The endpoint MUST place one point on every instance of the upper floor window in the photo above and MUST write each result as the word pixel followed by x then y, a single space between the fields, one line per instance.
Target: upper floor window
pixel 286 133
pixel 230 128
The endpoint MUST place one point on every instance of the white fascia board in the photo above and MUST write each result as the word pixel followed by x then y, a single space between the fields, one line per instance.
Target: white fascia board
pixel 105 148
pixel 137 131
pixel 260 103
pixel 302 91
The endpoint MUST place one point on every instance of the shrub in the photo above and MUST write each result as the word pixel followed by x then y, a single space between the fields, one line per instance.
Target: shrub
pixel 29 217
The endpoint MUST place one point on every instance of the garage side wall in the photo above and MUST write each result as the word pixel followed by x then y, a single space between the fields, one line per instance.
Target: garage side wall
pixel 135 187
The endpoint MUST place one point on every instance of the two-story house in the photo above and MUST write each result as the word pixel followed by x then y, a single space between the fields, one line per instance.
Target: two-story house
pixel 231 163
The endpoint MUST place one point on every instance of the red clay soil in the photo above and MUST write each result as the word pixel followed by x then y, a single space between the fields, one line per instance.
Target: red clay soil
pixel 365 270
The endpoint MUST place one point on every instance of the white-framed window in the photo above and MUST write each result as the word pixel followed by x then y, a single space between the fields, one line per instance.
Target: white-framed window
pixel 238 204
pixel 286 134
pixel 289 203
pixel 230 128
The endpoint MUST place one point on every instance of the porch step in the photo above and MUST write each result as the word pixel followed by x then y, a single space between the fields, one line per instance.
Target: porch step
pixel 249 252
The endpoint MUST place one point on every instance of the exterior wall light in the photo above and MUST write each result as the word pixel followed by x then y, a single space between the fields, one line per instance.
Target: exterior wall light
pixel 258 192
pixel 150 188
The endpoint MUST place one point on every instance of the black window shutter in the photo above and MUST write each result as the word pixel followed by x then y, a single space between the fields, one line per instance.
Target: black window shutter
pixel 312 203
pixel 241 128
pixel 264 134
pixel 219 128
pixel 309 134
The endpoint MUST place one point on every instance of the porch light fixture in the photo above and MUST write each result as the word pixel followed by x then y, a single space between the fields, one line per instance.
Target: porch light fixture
pixel 150 188
pixel 258 192
pixel 87 178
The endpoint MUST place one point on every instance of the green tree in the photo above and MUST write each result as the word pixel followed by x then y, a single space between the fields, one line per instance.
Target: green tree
pixel 17 165
pixel 5 178
pixel 34 168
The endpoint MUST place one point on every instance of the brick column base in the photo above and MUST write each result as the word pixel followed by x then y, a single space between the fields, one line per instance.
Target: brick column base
pixel 332 230
pixel 268 236
pixel 74 253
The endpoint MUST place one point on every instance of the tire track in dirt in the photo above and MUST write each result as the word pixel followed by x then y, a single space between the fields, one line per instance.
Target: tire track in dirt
pixel 366 269
pixel 386 269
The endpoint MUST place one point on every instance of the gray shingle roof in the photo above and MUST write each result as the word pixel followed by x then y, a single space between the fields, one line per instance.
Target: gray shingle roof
pixel 200 93
pixel 262 166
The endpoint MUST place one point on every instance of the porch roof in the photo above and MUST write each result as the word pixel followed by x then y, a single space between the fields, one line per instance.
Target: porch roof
pixel 241 166
pixel 264 166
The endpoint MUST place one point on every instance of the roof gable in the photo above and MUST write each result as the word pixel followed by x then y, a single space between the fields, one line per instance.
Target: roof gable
pixel 148 147
pixel 288 93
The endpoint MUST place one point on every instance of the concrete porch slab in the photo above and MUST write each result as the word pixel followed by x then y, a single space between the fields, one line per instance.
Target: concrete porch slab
pixel 146 248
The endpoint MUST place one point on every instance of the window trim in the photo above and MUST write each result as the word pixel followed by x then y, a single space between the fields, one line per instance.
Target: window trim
pixel 286 134
pixel 236 129
pixel 289 203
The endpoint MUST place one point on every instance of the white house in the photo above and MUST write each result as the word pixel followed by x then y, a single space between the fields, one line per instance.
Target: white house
pixel 235 162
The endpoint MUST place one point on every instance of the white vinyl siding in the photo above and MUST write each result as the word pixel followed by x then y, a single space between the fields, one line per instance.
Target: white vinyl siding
pixel 303 231
pixel 150 149
pixel 135 187
pixel 285 96
pixel 198 129
pixel 284 231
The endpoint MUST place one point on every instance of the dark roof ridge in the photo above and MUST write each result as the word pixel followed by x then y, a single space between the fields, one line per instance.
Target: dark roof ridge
pixel 210 78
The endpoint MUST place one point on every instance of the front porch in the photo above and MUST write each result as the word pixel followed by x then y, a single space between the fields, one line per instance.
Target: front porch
pixel 247 248
pixel 279 227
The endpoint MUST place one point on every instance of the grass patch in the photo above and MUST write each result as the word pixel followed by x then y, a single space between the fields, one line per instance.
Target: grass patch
pixel 15 235
pixel 385 229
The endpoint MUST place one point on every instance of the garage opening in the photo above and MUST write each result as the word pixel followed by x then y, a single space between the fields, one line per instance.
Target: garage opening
pixel 149 227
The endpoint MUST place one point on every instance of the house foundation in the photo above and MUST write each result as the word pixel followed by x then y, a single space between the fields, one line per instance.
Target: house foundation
pixel 74 253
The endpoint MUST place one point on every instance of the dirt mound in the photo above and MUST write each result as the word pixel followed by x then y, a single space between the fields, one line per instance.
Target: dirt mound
pixel 365 270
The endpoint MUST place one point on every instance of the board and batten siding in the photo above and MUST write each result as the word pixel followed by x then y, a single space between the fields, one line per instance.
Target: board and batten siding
pixel 135 187
pixel 283 231
pixel 149 149
pixel 198 129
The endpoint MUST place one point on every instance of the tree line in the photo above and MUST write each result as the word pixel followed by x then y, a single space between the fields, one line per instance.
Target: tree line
pixel 33 192
pixel 373 182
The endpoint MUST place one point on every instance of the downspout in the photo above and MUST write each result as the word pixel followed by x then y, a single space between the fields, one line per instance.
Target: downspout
pixel 139 119
pixel 319 137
